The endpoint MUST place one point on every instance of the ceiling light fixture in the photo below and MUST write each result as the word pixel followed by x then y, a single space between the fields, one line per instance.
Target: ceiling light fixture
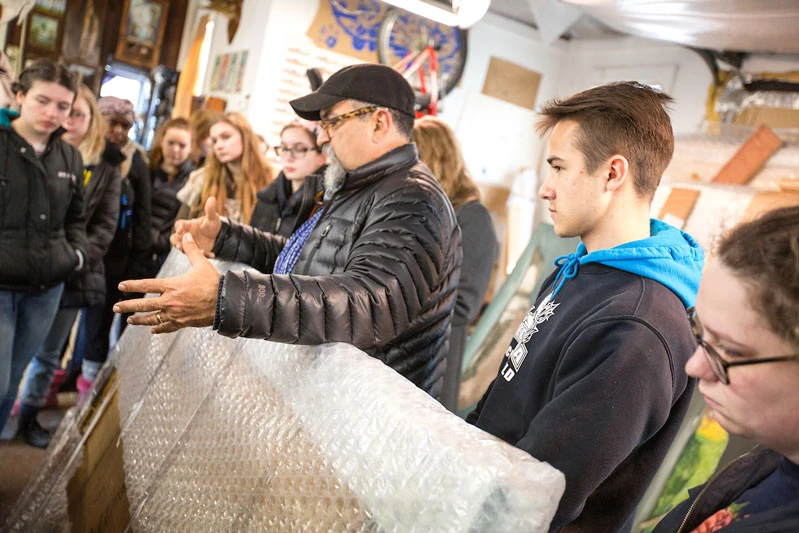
pixel 461 13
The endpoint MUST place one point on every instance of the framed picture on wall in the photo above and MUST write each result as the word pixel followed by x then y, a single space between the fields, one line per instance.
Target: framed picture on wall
pixel 141 32
pixel 43 33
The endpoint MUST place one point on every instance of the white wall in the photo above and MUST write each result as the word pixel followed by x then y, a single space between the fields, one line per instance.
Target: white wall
pixel 249 36
pixel 679 71
pixel 499 138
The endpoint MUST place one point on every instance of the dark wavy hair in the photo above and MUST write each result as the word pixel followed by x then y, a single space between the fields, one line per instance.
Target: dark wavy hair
pixel 764 254
pixel 45 70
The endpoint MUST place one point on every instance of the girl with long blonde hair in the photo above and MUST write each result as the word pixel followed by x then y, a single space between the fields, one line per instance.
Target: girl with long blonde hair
pixel 234 171
pixel 440 151
pixel 92 145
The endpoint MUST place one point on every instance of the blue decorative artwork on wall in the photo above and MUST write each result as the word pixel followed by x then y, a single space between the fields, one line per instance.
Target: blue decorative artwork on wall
pixel 357 20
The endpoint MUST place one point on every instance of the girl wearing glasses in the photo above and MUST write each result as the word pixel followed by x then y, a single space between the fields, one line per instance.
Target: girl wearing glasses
pixel 286 202
pixel 234 171
pixel 746 322
pixel 85 130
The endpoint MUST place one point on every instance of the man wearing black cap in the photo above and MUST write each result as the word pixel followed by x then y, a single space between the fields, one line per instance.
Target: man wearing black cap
pixel 376 265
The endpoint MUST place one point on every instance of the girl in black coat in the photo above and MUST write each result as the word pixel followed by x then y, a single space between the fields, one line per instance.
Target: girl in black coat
pixel 86 288
pixel 170 166
pixel 283 205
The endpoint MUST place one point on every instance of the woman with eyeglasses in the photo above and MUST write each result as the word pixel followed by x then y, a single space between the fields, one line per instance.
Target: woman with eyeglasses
pixel 85 130
pixel 233 172
pixel 746 323
pixel 286 203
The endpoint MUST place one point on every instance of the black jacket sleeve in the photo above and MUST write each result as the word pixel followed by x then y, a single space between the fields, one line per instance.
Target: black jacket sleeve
pixel 103 224
pixel 75 220
pixel 248 245
pixel 139 176
pixel 479 255
pixel 400 277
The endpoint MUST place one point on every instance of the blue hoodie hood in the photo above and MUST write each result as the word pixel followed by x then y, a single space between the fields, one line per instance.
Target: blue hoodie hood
pixel 669 256
pixel 7 115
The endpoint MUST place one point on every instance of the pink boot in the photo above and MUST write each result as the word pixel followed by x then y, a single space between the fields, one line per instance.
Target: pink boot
pixel 84 386
pixel 51 400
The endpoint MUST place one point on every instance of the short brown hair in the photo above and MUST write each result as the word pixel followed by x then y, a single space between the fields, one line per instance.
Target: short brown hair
pixel 626 118
pixel 764 254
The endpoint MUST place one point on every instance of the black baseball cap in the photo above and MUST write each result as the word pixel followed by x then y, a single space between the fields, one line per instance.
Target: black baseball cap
pixel 376 84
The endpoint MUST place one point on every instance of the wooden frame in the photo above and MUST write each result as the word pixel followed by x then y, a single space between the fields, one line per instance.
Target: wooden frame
pixel 141 32
pixel 44 33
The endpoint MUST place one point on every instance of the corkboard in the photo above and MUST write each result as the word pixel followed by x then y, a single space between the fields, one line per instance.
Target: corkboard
pixel 512 83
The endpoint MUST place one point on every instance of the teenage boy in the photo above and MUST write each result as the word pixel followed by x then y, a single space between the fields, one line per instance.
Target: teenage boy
pixel 593 381
pixel 42 228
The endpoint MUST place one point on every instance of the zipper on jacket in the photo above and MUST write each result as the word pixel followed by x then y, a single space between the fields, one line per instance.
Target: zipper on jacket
pixel 704 490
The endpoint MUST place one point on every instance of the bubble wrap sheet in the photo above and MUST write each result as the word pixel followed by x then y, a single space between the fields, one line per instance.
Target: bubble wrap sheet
pixel 245 435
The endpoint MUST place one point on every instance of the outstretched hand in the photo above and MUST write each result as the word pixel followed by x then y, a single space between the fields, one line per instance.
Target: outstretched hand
pixel 183 301
pixel 203 229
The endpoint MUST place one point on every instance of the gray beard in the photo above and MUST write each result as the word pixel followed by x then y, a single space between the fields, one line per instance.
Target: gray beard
pixel 335 172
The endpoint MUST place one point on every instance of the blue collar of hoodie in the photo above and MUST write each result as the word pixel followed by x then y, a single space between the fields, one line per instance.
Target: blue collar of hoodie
pixel 7 115
pixel 669 256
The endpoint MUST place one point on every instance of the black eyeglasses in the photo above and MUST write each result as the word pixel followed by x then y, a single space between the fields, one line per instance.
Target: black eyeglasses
pixel 327 123
pixel 720 365
pixel 298 152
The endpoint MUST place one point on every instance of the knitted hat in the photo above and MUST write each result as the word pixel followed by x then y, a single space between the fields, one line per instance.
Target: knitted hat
pixel 121 109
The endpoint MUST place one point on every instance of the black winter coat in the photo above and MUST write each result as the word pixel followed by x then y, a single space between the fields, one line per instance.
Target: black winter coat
pixel 727 486
pixel 280 211
pixel 41 212
pixel 379 271
pixel 101 210
pixel 166 205
pixel 129 254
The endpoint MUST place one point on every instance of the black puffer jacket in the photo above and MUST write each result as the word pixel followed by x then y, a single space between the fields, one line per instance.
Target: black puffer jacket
pixel 129 255
pixel 101 210
pixel 280 211
pixel 166 205
pixel 379 271
pixel 41 213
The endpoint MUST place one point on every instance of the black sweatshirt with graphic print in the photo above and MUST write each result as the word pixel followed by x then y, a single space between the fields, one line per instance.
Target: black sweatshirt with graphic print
pixel 593 383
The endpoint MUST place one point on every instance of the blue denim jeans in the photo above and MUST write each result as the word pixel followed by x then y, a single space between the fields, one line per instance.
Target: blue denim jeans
pixel 45 363
pixel 25 320
pixel 91 342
